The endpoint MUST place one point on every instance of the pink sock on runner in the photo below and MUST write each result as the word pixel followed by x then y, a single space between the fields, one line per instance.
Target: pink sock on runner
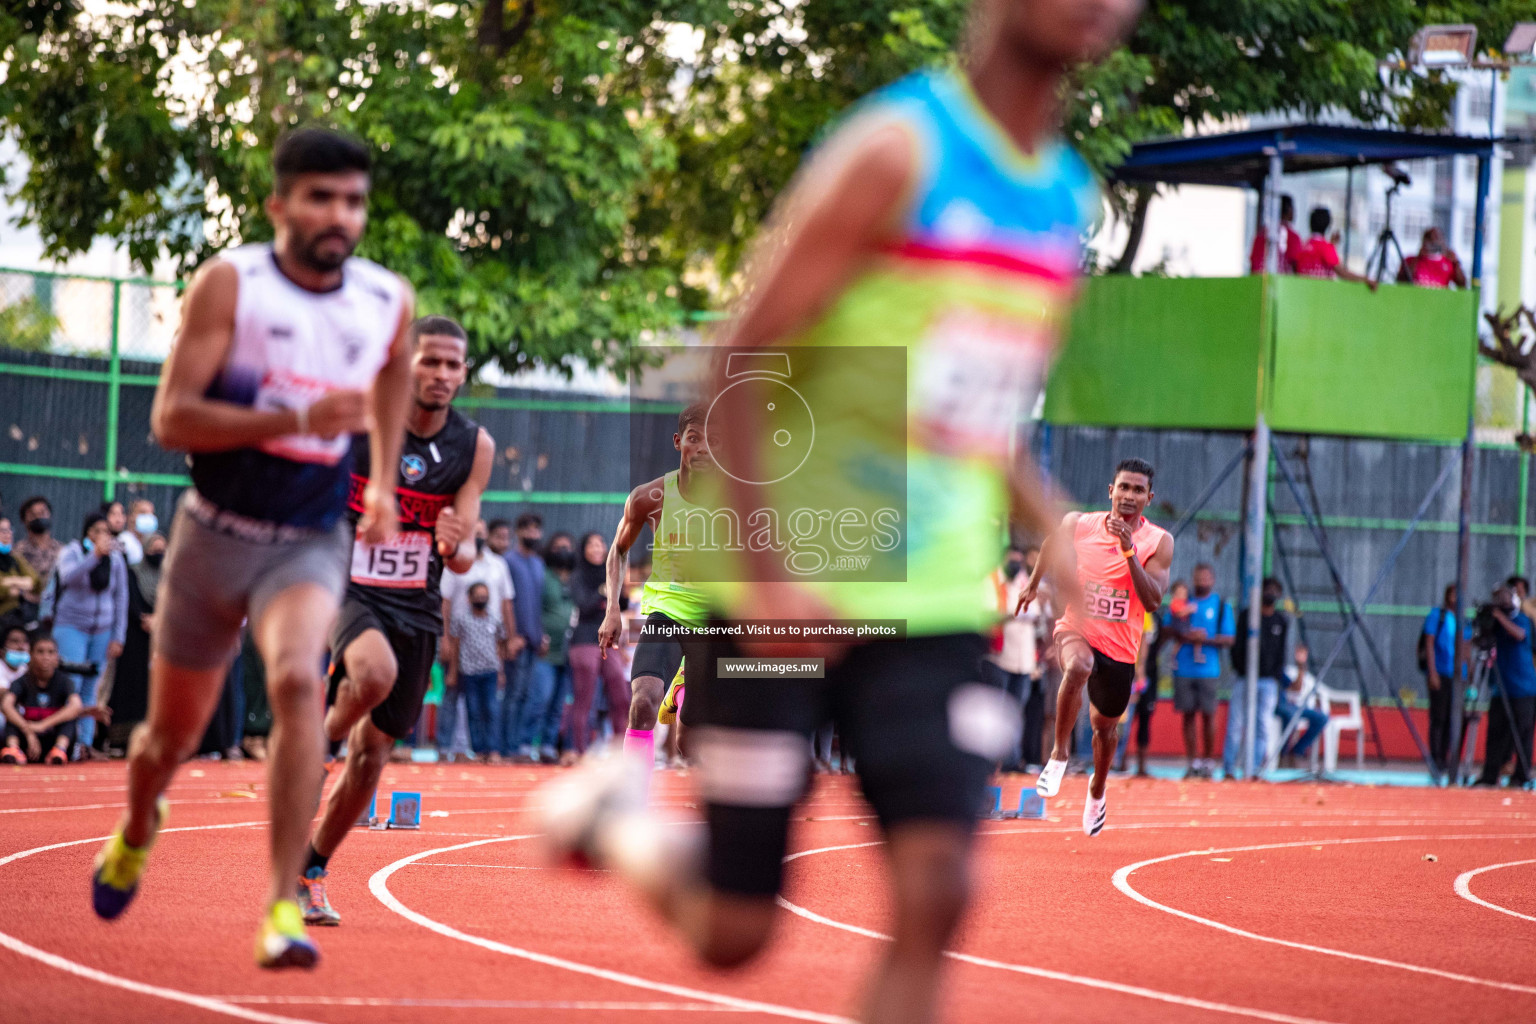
pixel 640 749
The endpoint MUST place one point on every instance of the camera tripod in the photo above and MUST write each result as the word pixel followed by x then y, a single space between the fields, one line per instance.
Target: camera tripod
pixel 1376 262
pixel 1485 674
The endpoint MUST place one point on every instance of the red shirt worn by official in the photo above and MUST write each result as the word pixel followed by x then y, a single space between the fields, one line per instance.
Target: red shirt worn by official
pixel 1316 257
pixel 1111 618
pixel 1431 271
pixel 1287 255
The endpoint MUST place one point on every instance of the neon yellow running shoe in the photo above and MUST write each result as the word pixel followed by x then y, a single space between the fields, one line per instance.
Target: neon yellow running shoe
pixel 672 702
pixel 115 878
pixel 282 941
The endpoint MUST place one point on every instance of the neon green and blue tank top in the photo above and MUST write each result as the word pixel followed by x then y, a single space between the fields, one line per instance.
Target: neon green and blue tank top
pixel 665 590
pixel 976 289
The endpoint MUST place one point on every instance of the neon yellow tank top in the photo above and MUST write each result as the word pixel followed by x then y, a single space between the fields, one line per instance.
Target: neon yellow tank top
pixel 665 591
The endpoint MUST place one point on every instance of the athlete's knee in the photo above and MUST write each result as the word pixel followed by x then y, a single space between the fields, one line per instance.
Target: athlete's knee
pixel 646 694
pixel 158 746
pixel 735 933
pixel 292 679
pixel 368 749
pixel 371 679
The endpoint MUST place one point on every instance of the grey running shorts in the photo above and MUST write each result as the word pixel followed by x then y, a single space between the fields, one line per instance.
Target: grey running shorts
pixel 1194 694
pixel 215 579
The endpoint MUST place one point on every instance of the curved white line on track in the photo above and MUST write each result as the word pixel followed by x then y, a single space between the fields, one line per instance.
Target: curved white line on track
pixel 1464 887
pixel 378 884
pixel 1039 972
pixel 128 984
pixel 1122 882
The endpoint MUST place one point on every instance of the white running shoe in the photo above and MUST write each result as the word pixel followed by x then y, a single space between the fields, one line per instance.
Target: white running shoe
pixel 1095 812
pixel 1050 777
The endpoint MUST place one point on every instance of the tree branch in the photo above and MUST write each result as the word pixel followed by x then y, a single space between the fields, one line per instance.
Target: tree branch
pixel 1139 205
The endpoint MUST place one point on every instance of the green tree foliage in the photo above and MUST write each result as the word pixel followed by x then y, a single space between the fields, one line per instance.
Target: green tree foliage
pixel 569 176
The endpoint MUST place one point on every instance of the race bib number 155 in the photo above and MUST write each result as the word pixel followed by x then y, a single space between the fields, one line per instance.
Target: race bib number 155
pixel 400 562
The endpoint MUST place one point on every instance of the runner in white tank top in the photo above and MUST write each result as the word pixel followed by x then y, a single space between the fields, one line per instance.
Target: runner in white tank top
pixel 285 351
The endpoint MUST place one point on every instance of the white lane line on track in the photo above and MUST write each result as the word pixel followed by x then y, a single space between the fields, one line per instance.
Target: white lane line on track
pixel 378 884
pixel 481 1004
pixel 118 806
pixel 1123 875
pixel 1464 887
pixel 1041 972
pixel 79 970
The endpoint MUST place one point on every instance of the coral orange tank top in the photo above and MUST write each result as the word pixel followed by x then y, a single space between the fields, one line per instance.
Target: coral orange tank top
pixel 1111 618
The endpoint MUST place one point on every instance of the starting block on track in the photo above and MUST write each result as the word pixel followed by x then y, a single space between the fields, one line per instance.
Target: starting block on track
pixel 404 812
pixel 1031 805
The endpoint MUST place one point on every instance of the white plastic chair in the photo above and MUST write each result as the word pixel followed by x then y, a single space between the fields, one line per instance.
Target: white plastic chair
pixel 1351 720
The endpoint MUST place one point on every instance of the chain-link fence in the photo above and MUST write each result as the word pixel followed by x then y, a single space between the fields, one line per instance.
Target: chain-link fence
pixel 79 359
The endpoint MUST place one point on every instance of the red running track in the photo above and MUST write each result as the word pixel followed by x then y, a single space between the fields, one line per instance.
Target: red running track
pixel 1200 902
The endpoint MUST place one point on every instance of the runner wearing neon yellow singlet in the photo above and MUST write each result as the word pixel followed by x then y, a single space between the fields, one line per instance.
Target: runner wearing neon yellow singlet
pixel 1122 570
pixel 668 605
pixel 943 222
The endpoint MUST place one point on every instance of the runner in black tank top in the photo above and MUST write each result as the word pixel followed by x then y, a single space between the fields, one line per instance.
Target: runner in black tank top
pixel 386 636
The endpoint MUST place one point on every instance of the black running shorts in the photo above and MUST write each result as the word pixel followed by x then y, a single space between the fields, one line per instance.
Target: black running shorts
pixel 923 728
pixel 414 654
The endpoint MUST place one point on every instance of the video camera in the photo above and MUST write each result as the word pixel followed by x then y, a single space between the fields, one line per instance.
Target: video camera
pixel 1485 628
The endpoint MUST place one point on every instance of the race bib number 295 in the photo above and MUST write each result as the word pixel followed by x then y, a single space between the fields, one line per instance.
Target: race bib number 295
pixel 1112 603
pixel 400 562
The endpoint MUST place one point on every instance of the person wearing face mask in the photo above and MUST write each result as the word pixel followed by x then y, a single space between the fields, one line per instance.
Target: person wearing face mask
pixel 142 522
pixel 118 522
pixel 90 618
pixel 37 547
pixel 20 585
pixel 42 711
pixel 488 568
pixel 552 670
pixel 130 682
pixel 16 656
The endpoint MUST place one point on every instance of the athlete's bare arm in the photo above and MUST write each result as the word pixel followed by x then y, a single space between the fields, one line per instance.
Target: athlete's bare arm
pixel 1151 579
pixel 184 418
pixel 455 532
pixel 388 402
pixel 643 505
pixel 832 223
pixel 1050 552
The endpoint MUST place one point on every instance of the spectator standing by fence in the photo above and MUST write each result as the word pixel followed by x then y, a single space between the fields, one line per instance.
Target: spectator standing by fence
pixel 554 662
pixel 475 638
pixel 38 548
pixel 142 522
pixel 1014 661
pixel 130 680
pixel 20 585
pixel 589 592
pixel 1290 241
pixel 525 703
pixel 1274 629
pixel 1207 630
pixel 117 522
pixel 90 617
pixel 491 569
pixel 1511 726
pixel 1437 659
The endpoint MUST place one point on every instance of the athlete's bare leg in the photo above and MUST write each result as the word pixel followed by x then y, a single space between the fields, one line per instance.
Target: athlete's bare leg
pixel 646 693
pixel 1076 664
pixel 181 701
pixel 370 668
pixel 1189 739
pixel 368 750
pixel 1208 722
pixel 930 876
pixel 291 637
pixel 1105 733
